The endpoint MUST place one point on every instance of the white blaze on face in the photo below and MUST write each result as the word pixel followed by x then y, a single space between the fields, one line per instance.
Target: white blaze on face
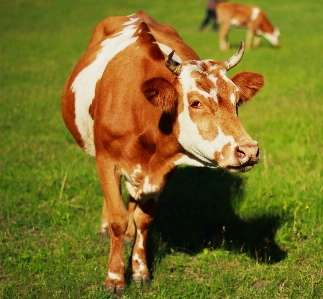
pixel 233 96
pixel 189 133
pixel 85 82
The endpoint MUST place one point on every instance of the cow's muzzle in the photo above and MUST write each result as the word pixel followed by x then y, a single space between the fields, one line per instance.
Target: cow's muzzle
pixel 246 156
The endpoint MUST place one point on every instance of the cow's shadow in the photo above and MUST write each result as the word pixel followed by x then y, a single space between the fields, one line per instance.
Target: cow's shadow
pixel 197 211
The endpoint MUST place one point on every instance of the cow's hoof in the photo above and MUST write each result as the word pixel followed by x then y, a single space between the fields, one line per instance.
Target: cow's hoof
pixel 114 290
pixel 141 280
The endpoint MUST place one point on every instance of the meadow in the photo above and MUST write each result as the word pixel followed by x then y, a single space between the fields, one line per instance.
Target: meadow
pixel 216 235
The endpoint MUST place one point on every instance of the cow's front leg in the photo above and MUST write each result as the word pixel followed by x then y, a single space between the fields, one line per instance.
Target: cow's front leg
pixel 143 217
pixel 249 36
pixel 117 216
pixel 130 232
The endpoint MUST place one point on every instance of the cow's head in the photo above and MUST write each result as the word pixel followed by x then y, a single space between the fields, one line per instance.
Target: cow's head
pixel 274 37
pixel 205 104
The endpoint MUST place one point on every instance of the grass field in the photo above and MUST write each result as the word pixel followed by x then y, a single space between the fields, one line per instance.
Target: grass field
pixel 216 235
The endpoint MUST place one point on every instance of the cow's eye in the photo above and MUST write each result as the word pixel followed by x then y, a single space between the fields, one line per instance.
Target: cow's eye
pixel 237 107
pixel 196 104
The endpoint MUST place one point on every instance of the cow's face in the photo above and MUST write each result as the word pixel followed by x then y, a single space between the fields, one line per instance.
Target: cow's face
pixel 274 37
pixel 207 124
pixel 202 103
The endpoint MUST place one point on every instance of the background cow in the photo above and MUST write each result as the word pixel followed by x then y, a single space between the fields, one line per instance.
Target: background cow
pixel 251 17
pixel 141 111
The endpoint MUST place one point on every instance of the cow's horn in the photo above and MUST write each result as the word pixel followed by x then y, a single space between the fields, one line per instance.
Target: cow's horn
pixel 174 66
pixel 235 59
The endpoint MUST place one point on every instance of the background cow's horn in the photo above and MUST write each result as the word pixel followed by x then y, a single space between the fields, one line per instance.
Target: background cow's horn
pixel 235 59
pixel 173 65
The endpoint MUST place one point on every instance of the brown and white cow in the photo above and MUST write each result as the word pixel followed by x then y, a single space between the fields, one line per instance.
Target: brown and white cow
pixel 251 17
pixel 142 116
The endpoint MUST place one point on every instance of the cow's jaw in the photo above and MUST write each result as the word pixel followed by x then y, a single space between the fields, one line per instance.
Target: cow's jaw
pixel 212 137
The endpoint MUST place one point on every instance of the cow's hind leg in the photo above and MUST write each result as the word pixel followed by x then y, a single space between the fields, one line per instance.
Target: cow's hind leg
pixel 143 216
pixel 256 41
pixel 117 216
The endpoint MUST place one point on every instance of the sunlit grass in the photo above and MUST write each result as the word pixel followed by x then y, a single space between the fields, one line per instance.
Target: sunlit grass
pixel 216 235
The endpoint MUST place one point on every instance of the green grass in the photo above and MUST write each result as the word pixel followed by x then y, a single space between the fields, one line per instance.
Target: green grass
pixel 216 235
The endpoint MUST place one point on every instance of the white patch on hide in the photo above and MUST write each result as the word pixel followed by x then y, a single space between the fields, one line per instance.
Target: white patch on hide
pixel 235 22
pixel 255 13
pixel 132 180
pixel 131 21
pixel 136 258
pixel 113 276
pixel 85 82
pixel 141 239
pixel 131 189
pixel 166 50
pixel 148 189
pixel 137 186
pixel 104 227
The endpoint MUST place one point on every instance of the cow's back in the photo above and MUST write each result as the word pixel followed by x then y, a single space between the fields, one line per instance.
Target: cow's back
pixel 243 15
pixel 164 34
pixel 233 13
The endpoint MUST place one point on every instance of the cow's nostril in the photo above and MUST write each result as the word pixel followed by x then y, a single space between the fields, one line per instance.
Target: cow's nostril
pixel 257 154
pixel 247 153
pixel 240 153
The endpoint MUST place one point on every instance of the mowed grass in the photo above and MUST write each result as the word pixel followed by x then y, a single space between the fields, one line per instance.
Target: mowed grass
pixel 216 235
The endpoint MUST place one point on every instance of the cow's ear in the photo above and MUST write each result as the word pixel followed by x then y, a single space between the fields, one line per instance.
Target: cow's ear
pixel 162 94
pixel 249 84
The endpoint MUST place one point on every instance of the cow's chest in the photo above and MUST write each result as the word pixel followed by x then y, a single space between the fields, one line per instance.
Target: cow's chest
pixel 140 183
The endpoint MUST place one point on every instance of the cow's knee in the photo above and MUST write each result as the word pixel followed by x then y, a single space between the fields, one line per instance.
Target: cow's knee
pixel 117 223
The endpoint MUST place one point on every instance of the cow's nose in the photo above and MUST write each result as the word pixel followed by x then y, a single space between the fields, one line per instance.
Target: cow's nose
pixel 248 153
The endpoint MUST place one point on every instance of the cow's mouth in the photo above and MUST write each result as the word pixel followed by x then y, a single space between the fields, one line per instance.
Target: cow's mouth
pixel 242 168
